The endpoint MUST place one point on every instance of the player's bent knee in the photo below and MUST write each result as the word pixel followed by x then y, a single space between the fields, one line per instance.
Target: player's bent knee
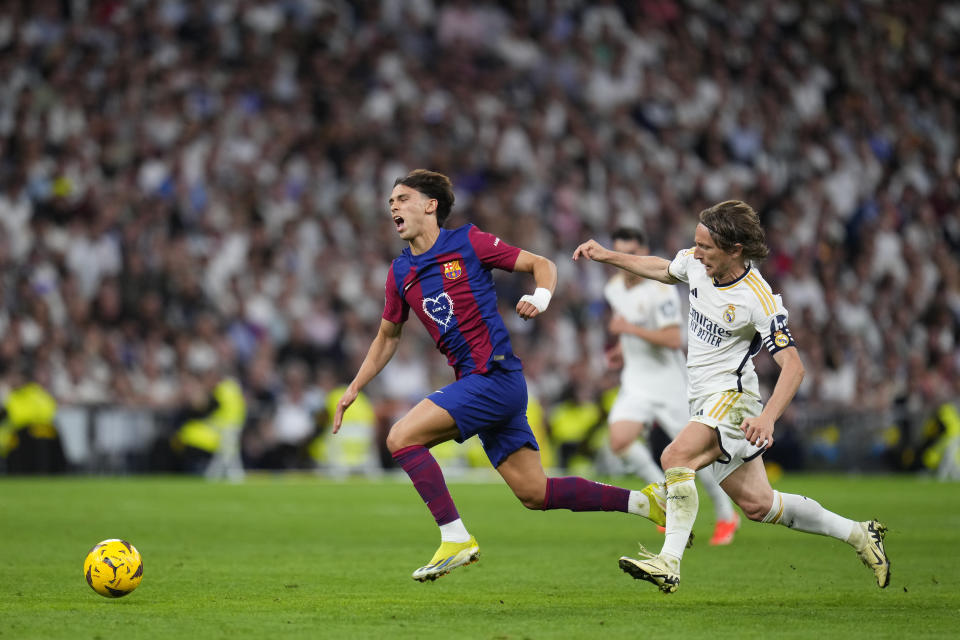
pixel 397 439
pixel 669 458
pixel 619 444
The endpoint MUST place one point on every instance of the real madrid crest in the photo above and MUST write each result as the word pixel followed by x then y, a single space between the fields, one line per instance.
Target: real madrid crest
pixel 452 270
pixel 781 339
pixel 730 314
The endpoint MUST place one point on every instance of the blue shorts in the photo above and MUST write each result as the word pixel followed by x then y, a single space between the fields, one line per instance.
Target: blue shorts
pixel 493 406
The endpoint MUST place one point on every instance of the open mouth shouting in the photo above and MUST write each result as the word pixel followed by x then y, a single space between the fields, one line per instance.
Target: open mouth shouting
pixel 398 220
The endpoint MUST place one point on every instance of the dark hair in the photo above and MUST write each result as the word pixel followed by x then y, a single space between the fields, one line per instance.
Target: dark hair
pixel 630 233
pixel 435 186
pixel 734 222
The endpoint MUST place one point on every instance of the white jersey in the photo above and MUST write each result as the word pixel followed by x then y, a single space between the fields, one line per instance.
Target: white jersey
pixel 648 370
pixel 728 324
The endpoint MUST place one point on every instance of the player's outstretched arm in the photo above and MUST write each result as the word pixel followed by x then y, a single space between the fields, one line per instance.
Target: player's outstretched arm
pixel 760 429
pixel 381 350
pixel 670 336
pixel 545 275
pixel 650 267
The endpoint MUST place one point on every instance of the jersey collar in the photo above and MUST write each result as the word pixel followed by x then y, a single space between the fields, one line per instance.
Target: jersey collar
pixel 734 282
pixel 429 252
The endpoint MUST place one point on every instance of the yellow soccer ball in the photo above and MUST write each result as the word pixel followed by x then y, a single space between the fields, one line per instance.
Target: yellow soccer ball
pixel 113 568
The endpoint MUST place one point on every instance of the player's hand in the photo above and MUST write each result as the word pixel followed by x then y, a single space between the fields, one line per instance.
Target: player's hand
pixel 526 310
pixel 758 431
pixel 345 401
pixel 619 324
pixel 614 359
pixel 533 304
pixel 591 249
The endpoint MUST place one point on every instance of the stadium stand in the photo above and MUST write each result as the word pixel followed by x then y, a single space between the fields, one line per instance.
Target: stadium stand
pixel 186 186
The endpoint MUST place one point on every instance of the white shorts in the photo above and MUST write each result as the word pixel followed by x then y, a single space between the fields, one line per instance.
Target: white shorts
pixel 670 413
pixel 724 412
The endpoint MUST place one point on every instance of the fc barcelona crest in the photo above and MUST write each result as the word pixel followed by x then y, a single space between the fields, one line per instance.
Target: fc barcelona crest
pixel 452 270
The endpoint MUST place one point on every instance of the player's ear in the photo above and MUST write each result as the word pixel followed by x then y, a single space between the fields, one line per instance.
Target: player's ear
pixel 432 204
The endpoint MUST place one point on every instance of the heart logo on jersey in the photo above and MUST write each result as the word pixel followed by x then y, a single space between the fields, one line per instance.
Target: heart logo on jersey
pixel 440 309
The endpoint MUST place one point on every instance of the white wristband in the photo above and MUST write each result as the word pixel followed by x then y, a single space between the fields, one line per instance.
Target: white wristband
pixel 540 299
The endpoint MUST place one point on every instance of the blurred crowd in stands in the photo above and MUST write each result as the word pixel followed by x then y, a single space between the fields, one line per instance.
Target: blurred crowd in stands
pixel 196 191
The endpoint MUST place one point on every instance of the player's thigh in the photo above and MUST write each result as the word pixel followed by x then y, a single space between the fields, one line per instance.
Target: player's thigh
pixel 425 424
pixel 623 433
pixel 695 447
pixel 749 487
pixel 523 473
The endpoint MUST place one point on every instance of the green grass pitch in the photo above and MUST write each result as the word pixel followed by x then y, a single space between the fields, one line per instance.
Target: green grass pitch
pixel 304 557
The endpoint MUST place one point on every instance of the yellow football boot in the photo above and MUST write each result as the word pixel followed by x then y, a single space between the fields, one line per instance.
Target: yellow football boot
pixel 663 571
pixel 872 553
pixel 449 556
pixel 656 492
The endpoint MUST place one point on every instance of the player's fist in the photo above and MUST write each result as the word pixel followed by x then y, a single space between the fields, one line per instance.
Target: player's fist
pixel 532 305
pixel 526 309
pixel 758 431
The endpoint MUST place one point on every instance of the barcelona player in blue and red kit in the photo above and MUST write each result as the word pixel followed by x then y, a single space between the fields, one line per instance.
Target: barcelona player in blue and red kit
pixel 444 277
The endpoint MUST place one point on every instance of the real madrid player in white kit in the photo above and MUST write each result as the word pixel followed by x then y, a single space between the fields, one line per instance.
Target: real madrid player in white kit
pixel 648 320
pixel 733 314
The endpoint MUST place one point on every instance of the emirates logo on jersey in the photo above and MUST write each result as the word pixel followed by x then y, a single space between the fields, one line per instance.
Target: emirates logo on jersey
pixel 452 270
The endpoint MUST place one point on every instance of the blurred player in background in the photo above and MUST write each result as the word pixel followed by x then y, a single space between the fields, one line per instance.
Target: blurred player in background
pixel 733 313
pixel 444 278
pixel 647 318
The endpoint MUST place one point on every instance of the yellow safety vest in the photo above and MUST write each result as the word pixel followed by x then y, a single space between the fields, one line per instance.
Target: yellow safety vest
pixel 231 412
pixel 950 419
pixel 572 421
pixel 353 444
pixel 28 407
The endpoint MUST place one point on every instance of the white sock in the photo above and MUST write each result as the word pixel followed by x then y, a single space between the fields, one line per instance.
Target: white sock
pixel 722 505
pixel 638 460
pixel 682 505
pixel 639 502
pixel 454 532
pixel 805 514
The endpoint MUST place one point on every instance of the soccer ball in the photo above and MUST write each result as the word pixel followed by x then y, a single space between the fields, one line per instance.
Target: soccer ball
pixel 113 568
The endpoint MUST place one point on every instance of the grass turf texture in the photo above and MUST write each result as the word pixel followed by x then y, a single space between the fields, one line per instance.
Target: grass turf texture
pixel 310 558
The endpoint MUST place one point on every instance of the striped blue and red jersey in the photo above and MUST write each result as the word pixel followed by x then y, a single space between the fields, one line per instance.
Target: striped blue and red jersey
pixel 450 288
